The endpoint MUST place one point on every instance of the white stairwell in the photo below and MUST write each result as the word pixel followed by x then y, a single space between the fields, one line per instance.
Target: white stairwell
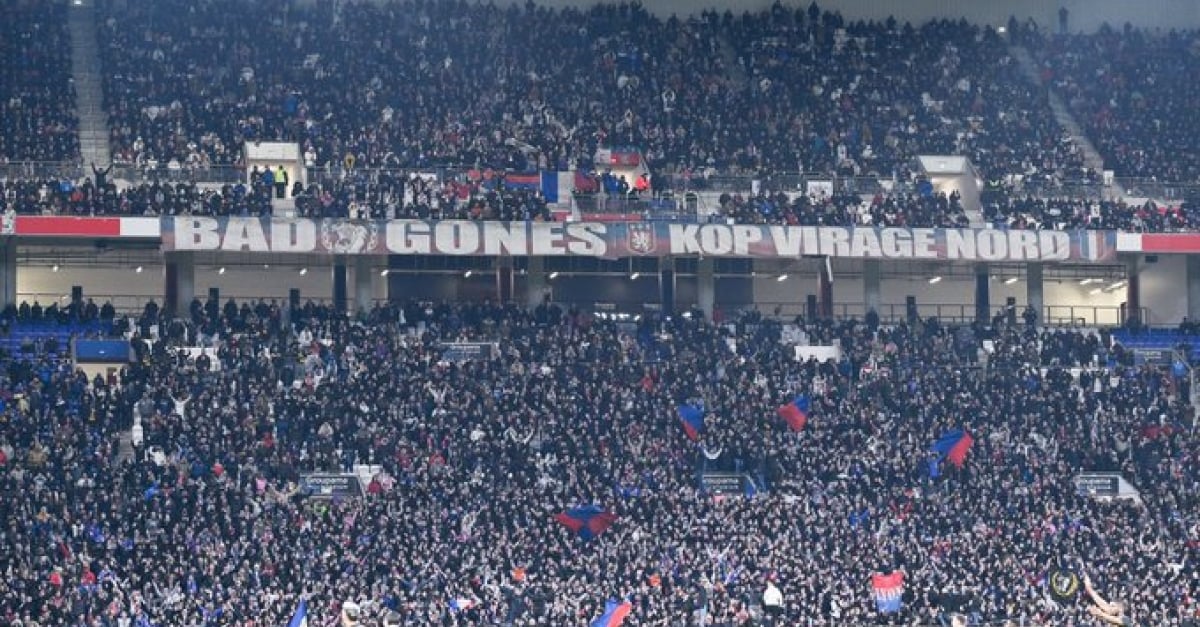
pixel 1091 156
pixel 89 92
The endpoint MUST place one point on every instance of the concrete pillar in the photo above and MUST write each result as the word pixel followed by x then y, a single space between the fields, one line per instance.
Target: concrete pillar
pixel 1193 287
pixel 983 294
pixel 535 281
pixel 1034 294
pixel 339 286
pixel 666 285
pixel 1133 291
pixel 825 288
pixel 504 280
pixel 8 275
pixel 364 287
pixel 871 281
pixel 180 283
pixel 706 286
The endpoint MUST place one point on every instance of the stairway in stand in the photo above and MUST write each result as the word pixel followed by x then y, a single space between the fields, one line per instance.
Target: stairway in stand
pixel 1064 117
pixel 89 91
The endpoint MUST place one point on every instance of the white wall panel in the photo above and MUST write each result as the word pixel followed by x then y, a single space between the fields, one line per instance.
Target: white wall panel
pixel 956 295
pixel 127 288
pixel 1164 289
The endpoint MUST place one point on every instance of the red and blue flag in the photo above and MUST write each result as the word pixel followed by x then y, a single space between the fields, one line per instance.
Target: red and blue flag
pixel 795 413
pixel 954 446
pixel 586 521
pixel 614 613
pixel 523 181
pixel 692 418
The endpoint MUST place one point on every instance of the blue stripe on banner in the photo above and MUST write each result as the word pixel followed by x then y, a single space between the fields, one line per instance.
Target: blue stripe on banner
pixel 550 186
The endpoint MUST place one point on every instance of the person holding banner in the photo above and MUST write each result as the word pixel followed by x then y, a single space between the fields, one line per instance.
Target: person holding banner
pixel 1109 613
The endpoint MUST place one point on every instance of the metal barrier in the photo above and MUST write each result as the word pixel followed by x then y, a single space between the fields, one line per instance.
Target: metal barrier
pixel 959 313
pixel 23 170
pixel 778 182
pixel 889 313
pixel 217 174
pixel 134 304
pixel 646 207
pixel 1097 190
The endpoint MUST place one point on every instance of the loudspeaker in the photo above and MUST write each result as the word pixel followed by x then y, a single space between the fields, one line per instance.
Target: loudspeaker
pixel 339 287
pixel 1010 310
pixel 294 298
pixel 214 294
pixel 810 307
pixel 910 309
pixel 171 280
pixel 77 293
pixel 667 290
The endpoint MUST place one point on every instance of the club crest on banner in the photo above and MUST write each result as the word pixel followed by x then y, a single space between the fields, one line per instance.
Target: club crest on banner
pixel 345 237
pixel 640 238
pixel 1063 584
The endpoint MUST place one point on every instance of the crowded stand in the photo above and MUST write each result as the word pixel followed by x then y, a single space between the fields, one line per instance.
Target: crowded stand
pixel 883 92
pixel 532 484
pixel 363 195
pixel 188 82
pixel 845 209
pixel 37 100
pixel 1134 94
pixel 1003 208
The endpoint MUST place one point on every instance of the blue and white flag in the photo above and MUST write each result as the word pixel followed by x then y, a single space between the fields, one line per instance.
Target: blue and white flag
pixel 300 618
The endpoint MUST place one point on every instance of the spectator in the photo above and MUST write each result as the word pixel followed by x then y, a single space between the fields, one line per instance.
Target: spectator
pixel 480 454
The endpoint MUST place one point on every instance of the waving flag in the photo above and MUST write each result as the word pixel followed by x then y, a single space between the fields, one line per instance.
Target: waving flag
pixel 523 181
pixel 614 614
pixel 888 591
pixel 954 445
pixel 300 618
pixel 458 605
pixel 692 418
pixel 587 521
pixel 795 413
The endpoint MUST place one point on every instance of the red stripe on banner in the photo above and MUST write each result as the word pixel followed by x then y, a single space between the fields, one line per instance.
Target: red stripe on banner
pixel 1171 243
pixel 68 227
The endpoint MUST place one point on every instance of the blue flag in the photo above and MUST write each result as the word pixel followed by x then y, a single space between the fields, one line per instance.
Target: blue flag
pixel 692 418
pixel 300 618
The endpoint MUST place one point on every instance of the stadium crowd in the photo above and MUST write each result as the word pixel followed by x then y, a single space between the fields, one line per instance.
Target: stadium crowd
pixel 405 85
pixel 378 196
pixel 1133 92
pixel 1006 209
pixel 205 524
pixel 845 209
pixel 37 100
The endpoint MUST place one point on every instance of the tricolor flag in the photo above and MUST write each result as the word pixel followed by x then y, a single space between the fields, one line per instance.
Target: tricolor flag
pixel 795 413
pixel 954 446
pixel 888 591
pixel 300 618
pixel 458 605
pixel 692 418
pixel 614 613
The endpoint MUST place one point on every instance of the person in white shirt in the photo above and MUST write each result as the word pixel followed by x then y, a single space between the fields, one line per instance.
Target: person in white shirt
pixel 772 601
